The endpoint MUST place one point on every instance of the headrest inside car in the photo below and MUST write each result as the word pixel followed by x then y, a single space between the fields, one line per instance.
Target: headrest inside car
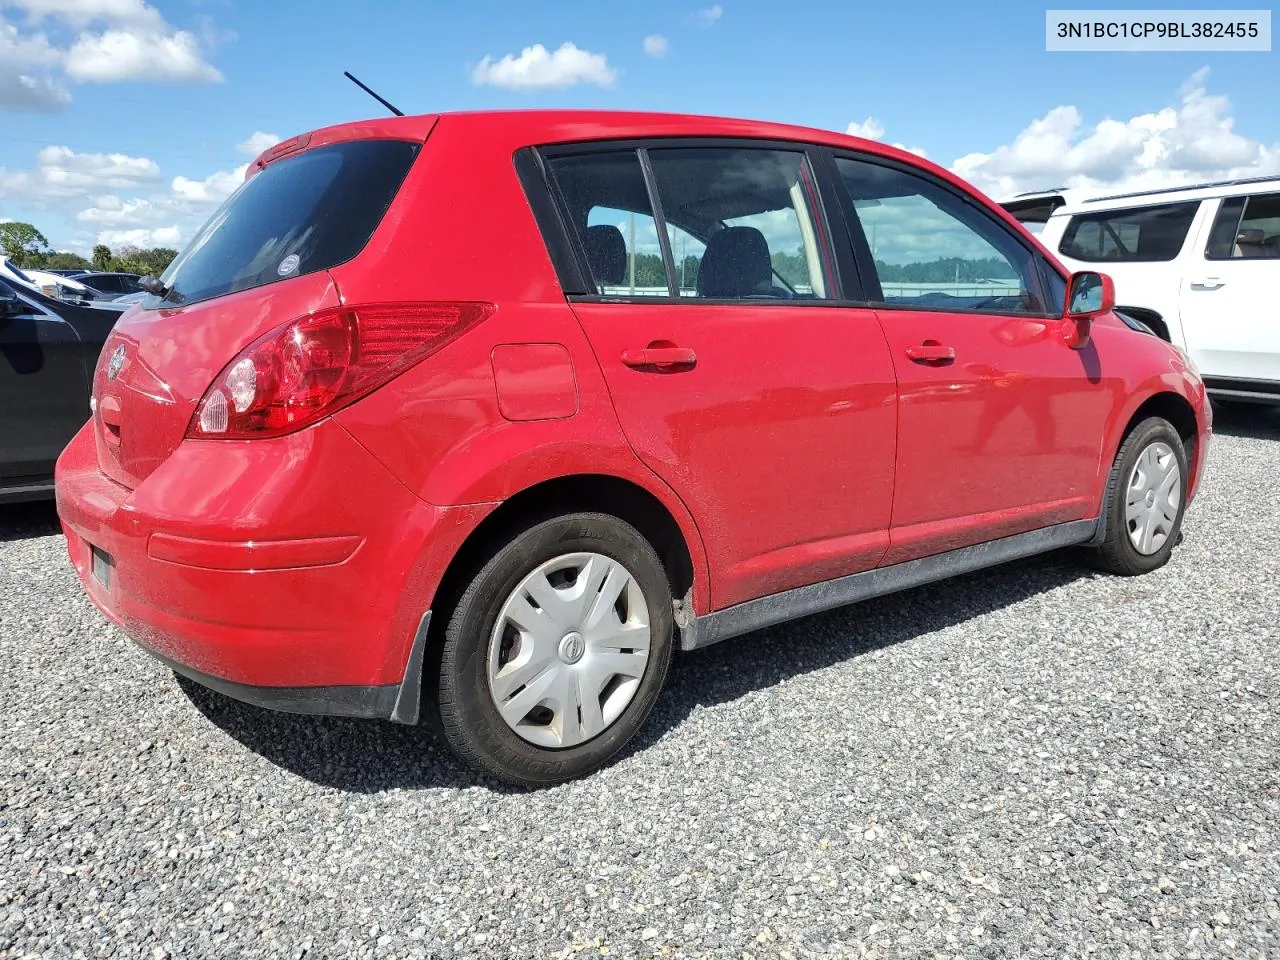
pixel 606 253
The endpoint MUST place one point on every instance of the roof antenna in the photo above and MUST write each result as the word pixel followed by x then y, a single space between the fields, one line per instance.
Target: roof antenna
pixel 385 103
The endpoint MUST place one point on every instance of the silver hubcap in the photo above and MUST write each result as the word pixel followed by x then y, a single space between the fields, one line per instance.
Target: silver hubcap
pixel 569 650
pixel 1155 493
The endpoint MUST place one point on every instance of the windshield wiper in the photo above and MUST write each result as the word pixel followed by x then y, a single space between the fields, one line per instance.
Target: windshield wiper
pixel 155 286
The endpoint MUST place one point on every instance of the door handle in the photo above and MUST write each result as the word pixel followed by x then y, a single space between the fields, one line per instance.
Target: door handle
pixel 1208 283
pixel 663 358
pixel 931 351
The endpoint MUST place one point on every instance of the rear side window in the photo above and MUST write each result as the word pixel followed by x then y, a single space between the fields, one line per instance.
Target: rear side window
pixel 306 213
pixel 609 205
pixel 740 222
pixel 1135 235
pixel 1246 228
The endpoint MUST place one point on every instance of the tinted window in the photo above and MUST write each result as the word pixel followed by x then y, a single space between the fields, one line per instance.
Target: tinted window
pixel 105 284
pixel 1246 228
pixel 740 222
pixel 299 215
pixel 934 250
pixel 1139 234
pixel 608 204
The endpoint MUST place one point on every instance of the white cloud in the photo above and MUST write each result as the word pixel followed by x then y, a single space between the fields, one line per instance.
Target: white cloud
pixel 118 55
pixel 536 67
pixel 1193 141
pixel 708 15
pixel 94 41
pixel 60 173
pixel 83 12
pixel 26 61
pixel 212 189
pixel 869 129
pixel 112 210
pixel 257 142
pixel 873 129
pixel 158 237
pixel 656 45
pixel 116 199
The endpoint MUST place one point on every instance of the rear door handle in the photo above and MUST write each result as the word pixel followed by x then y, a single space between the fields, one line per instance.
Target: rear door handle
pixel 931 352
pixel 1208 283
pixel 663 358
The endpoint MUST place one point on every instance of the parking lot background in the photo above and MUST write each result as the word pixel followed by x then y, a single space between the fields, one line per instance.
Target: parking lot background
pixel 1038 760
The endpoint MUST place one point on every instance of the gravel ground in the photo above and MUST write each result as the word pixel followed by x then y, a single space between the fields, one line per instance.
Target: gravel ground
pixel 1035 761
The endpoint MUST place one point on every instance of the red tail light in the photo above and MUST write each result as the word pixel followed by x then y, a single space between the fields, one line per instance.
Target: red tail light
pixel 311 367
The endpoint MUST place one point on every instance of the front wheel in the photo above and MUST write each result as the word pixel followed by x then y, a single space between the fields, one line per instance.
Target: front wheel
pixel 1145 500
pixel 556 652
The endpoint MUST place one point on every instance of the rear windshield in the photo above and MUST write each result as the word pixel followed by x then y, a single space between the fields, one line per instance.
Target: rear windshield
pixel 299 215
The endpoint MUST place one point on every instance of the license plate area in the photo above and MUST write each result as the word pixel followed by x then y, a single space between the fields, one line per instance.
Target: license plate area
pixel 102 566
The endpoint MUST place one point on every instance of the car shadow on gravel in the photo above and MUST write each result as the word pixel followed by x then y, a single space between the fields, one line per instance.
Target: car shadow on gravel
pixel 1251 421
pixel 367 756
pixel 25 521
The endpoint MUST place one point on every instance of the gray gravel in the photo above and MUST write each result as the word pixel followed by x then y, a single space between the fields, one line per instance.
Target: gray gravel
pixel 1035 761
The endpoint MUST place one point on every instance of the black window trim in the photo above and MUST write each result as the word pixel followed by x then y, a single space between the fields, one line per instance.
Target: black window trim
pixel 1244 209
pixel 533 176
pixel 575 283
pixel 1099 216
pixel 866 262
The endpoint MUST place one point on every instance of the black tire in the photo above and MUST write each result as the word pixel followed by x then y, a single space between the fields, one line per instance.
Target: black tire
pixel 1117 554
pixel 468 717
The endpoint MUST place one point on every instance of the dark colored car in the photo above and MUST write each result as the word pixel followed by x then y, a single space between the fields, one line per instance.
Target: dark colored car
pixel 111 284
pixel 48 350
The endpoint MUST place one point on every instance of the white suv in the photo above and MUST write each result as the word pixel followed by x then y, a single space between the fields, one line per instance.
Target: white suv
pixel 1199 265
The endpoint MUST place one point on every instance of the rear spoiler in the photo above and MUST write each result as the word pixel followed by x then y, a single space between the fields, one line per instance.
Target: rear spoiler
pixel 1034 209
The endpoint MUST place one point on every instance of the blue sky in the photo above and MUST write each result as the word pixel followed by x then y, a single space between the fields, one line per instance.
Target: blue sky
pixel 121 119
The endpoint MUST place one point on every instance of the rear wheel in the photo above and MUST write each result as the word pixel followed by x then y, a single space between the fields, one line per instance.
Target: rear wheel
pixel 556 652
pixel 1145 500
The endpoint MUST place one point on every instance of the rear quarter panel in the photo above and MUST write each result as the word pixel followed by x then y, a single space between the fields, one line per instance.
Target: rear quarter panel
pixel 461 230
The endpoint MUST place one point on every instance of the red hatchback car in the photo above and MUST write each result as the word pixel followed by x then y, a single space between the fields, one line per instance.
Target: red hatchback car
pixel 472 418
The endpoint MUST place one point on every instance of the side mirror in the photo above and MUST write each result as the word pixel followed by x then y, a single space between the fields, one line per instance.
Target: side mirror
pixel 1089 295
pixel 9 302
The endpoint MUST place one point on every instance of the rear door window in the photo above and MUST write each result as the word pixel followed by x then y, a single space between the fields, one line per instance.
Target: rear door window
pixel 608 203
pixel 741 222
pixel 299 215
pixel 1135 235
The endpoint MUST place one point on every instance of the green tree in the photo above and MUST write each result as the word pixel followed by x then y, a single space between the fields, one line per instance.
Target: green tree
pixel 156 260
pixel 23 244
pixel 63 260
pixel 102 257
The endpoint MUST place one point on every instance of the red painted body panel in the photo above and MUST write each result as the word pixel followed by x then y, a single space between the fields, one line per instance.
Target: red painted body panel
pixel 780 437
pixel 293 626
pixel 534 381
pixel 1004 439
pixel 802 445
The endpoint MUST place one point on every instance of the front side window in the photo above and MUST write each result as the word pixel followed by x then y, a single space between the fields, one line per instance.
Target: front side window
pixel 1136 235
pixel 933 250
pixel 1246 228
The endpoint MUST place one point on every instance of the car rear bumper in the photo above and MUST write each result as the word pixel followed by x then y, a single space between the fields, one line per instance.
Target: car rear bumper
pixel 294 573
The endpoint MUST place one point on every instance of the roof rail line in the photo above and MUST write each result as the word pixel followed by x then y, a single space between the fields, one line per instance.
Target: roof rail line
pixel 1191 186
